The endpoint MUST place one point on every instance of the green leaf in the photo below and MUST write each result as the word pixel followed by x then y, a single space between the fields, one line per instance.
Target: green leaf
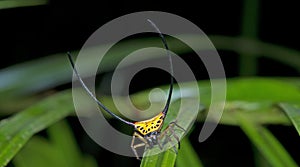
pixel 263 91
pixel 187 156
pixel 266 143
pixel 61 150
pixel 258 112
pixel 164 159
pixel 258 89
pixel 5 4
pixel 16 131
pixel 33 76
pixel 254 97
pixel 293 112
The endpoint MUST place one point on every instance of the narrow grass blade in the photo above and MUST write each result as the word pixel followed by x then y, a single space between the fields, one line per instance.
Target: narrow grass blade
pixel 34 76
pixel 257 112
pixel 266 143
pixel 164 159
pixel 16 131
pixel 258 48
pixel 5 4
pixel 262 89
pixel 250 19
pixel 293 112
pixel 259 159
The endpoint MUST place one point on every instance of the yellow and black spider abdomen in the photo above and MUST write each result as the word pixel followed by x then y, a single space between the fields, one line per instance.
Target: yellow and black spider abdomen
pixel 150 125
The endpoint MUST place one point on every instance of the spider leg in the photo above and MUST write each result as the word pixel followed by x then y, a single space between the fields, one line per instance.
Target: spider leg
pixel 175 136
pixel 159 145
pixel 174 147
pixel 162 135
pixel 170 129
pixel 166 136
pixel 134 146
pixel 180 127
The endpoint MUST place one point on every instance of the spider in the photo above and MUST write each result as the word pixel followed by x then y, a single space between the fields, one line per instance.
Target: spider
pixel 147 131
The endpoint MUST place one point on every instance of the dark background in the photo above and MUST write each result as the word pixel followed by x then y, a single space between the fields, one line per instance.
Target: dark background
pixel 32 32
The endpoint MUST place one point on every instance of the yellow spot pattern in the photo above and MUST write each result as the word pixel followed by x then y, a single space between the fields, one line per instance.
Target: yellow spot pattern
pixel 150 125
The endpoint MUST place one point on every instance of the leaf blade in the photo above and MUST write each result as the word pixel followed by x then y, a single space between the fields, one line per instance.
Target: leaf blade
pixel 60 151
pixel 6 4
pixel 16 131
pixel 266 143
pixel 293 112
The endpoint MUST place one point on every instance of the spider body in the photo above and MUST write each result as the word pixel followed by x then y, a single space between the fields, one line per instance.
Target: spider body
pixel 151 125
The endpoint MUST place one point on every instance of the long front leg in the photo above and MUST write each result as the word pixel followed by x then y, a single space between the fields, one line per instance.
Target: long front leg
pixel 180 127
pixel 175 136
